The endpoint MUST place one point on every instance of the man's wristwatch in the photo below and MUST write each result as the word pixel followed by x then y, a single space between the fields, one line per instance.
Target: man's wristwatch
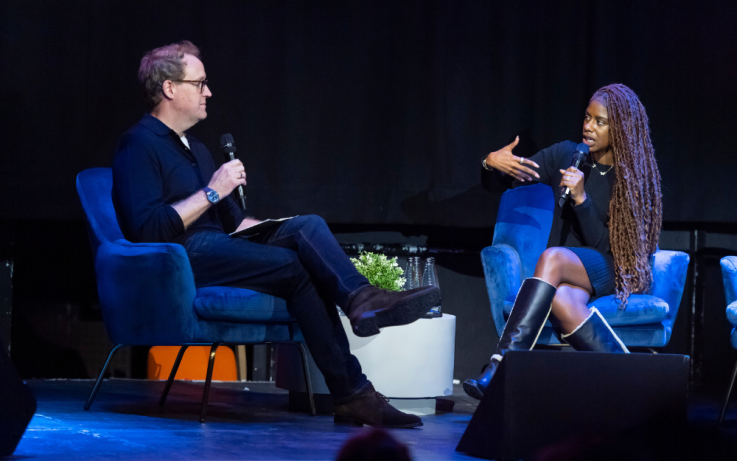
pixel 485 165
pixel 212 196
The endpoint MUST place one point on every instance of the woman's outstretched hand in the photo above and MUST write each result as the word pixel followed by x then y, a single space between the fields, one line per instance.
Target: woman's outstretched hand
pixel 506 162
pixel 573 179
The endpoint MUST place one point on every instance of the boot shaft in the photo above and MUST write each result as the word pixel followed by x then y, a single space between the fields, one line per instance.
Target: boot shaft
pixel 595 335
pixel 529 314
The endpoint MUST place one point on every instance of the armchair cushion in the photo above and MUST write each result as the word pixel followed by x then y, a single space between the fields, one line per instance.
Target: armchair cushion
pixel 239 305
pixel 640 310
pixel 650 335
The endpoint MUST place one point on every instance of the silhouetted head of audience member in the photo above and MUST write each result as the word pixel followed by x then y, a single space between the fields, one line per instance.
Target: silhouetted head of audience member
pixel 372 445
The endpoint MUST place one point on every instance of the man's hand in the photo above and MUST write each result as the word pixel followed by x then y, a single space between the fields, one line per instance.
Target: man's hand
pixel 573 179
pixel 224 180
pixel 506 162
pixel 229 176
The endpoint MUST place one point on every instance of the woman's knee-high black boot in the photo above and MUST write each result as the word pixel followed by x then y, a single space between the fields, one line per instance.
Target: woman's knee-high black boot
pixel 595 335
pixel 531 310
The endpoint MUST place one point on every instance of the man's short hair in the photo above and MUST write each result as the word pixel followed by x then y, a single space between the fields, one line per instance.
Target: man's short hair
pixel 161 64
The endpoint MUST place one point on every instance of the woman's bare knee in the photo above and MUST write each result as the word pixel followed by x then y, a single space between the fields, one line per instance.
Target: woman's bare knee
pixel 558 265
pixel 551 263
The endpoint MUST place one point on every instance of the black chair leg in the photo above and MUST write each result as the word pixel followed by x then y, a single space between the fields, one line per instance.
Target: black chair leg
pixel 208 380
pixel 173 373
pixel 308 381
pixel 729 392
pixel 88 404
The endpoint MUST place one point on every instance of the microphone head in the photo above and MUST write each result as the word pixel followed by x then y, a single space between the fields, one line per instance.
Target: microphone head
pixel 227 145
pixel 583 148
pixel 582 151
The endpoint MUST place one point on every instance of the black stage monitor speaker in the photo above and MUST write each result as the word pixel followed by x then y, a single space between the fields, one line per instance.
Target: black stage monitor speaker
pixel 539 399
pixel 17 405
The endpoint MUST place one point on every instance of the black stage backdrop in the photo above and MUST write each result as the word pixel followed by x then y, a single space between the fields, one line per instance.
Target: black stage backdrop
pixel 370 112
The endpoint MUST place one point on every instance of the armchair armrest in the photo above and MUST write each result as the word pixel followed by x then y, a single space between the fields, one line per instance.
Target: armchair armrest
pixel 503 274
pixel 146 292
pixel 669 278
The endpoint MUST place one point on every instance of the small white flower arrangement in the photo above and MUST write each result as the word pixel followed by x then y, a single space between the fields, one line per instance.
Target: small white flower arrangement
pixel 382 272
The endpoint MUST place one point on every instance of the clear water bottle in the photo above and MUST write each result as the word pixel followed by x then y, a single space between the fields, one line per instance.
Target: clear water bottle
pixel 412 273
pixel 430 279
pixel 409 272
pixel 418 272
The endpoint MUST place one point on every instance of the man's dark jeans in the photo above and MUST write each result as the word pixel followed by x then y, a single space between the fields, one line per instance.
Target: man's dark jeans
pixel 300 262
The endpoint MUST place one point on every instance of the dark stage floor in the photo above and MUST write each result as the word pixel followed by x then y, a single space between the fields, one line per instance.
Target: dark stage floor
pixel 125 422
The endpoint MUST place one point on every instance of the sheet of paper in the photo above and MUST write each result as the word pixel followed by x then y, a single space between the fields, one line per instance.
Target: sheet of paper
pixel 263 226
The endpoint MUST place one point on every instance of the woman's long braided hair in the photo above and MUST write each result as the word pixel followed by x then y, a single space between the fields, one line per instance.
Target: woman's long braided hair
pixel 635 210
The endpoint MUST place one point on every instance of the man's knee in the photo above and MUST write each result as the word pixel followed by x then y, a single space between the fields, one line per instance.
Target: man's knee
pixel 311 221
pixel 315 220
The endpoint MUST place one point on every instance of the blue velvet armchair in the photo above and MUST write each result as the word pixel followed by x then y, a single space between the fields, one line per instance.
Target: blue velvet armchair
pixel 148 296
pixel 729 277
pixel 521 235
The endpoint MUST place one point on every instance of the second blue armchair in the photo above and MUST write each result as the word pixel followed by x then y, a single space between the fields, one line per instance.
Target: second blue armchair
pixel 521 235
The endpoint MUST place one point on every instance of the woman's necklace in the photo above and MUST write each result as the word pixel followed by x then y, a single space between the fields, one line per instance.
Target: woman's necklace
pixel 593 163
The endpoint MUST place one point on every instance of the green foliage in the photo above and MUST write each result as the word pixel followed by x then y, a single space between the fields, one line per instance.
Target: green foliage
pixel 381 271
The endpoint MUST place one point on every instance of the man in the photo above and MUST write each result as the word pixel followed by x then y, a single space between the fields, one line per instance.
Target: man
pixel 166 189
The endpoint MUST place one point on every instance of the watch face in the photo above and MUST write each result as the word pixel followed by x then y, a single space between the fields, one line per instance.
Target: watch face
pixel 213 196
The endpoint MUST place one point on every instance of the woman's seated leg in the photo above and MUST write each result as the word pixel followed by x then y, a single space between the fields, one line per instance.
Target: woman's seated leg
pixel 559 265
pixel 526 320
pixel 584 329
pixel 569 307
pixel 535 301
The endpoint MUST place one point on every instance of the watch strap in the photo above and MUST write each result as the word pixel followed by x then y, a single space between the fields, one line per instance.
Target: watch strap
pixel 212 195
pixel 485 165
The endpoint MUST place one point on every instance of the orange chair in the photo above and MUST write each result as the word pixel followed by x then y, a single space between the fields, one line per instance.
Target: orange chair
pixel 194 363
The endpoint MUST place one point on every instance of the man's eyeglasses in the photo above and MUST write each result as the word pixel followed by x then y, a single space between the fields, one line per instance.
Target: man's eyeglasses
pixel 201 83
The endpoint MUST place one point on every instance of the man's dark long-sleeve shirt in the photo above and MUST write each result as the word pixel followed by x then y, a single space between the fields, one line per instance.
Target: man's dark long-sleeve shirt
pixel 153 170
pixel 573 226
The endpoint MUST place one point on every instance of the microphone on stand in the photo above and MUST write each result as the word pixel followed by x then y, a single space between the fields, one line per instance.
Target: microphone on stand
pixel 227 147
pixel 579 156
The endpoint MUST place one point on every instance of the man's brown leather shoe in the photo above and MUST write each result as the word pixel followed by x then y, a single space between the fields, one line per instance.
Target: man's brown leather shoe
pixel 373 409
pixel 373 308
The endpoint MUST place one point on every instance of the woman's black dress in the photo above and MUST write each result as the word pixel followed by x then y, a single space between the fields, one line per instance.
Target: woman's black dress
pixel 583 228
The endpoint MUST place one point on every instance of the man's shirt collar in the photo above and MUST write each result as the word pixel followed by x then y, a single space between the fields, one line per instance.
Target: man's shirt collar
pixel 160 129
pixel 155 125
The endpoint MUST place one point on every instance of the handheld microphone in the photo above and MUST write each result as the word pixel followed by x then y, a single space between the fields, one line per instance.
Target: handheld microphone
pixel 227 147
pixel 579 156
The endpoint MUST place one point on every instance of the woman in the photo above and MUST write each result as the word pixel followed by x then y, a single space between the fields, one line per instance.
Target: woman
pixel 601 239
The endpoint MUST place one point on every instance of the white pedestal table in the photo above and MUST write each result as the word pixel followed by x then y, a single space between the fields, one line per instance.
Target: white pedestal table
pixel 411 364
